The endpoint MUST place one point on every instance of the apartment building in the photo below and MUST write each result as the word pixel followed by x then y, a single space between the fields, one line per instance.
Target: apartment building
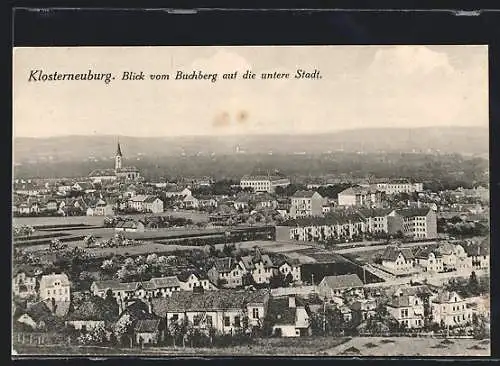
pixel 306 203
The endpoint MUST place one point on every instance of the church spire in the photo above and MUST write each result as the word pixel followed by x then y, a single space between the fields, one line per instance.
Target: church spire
pixel 118 149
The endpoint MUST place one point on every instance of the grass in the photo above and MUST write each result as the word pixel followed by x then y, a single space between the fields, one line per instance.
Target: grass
pixel 370 345
pixel 267 346
pixel 385 341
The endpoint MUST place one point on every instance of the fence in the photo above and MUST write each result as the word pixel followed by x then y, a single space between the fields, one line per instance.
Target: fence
pixel 299 290
pixel 39 338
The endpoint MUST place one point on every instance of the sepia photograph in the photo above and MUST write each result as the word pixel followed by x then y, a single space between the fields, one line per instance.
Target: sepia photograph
pixel 328 201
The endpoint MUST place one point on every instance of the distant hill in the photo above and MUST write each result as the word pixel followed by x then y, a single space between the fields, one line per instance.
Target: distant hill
pixel 461 140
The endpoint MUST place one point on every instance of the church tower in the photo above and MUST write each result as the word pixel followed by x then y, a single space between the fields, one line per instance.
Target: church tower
pixel 118 157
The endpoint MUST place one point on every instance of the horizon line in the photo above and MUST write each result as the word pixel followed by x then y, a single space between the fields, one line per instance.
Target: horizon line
pixel 255 134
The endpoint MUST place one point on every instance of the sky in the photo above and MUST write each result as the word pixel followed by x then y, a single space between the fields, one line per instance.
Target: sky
pixel 361 87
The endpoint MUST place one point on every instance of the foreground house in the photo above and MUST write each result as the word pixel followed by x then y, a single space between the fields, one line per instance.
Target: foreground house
pixel 23 285
pixel 226 311
pixel 55 287
pixel 291 317
pixel 408 310
pixel 449 309
pixel 149 331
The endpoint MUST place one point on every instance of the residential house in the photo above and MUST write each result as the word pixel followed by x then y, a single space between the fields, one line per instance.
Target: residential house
pixel 130 226
pixel 190 202
pixel 398 259
pixel 52 205
pixel 102 175
pixel 418 223
pixel 37 317
pixel 226 311
pixel 331 286
pixel 101 208
pixel 189 281
pixel 376 219
pixel 292 267
pixel 479 254
pixel 146 203
pixel 363 309
pixel 85 187
pixel 206 202
pixel 264 200
pixel 429 259
pixel 175 192
pixel 227 272
pixel 263 183
pixel 290 316
pixel 242 202
pixel 450 310
pixel 90 313
pixel 306 203
pixel 259 266
pixel 149 331
pixel 400 186
pixel 56 287
pixel 360 196
pixel 407 309
pixel 334 226
pixel 24 285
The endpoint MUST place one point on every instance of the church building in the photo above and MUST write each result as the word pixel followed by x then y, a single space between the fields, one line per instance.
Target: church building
pixel 120 172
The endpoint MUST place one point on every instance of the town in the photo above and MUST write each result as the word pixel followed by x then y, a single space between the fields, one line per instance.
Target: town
pixel 119 261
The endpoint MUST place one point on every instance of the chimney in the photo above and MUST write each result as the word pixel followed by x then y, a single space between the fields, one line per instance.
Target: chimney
pixel 291 302
pixel 150 305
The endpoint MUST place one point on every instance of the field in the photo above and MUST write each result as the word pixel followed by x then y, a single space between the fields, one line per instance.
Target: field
pixel 313 346
pixel 272 346
pixel 410 346
pixel 98 220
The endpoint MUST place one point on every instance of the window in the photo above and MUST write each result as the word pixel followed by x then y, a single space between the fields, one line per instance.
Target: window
pixel 196 320
pixel 237 321
pixel 48 292
pixel 227 321
pixel 208 320
pixel 175 317
pixel 255 313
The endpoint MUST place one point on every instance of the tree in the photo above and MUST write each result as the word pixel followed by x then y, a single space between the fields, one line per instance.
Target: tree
pixel 473 284
pixel 89 241
pixel 123 327
pixel 151 259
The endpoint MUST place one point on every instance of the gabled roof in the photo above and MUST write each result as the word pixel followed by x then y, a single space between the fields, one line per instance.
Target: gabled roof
pixel 399 301
pixel 414 212
pixel 224 265
pixel 250 261
pixel 281 311
pixel 147 326
pixel 479 249
pixel 210 300
pixel 49 280
pixel 446 297
pixel 93 308
pixel 304 194
pixel 343 281
pixel 375 212
pixel 164 282
pixel 115 285
pixel 102 173
pixel 391 253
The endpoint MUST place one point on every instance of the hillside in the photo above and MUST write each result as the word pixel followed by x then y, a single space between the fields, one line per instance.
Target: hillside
pixel 461 140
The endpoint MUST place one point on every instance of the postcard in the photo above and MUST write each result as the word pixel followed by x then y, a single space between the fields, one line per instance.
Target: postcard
pixel 251 201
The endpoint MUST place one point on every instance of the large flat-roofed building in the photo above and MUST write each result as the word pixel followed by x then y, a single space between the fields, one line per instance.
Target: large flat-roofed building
pixel 400 186
pixel 263 183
